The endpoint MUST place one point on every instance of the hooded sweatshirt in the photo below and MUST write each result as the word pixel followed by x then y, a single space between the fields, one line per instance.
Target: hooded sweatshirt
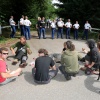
pixel 94 52
pixel 69 60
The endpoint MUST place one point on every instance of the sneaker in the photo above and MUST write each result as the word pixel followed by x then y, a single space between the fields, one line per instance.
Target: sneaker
pixel 15 62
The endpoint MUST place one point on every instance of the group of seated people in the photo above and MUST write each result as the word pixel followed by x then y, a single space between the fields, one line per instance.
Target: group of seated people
pixel 44 68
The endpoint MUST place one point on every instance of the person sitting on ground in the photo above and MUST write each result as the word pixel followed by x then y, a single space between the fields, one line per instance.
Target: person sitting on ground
pixel 5 75
pixel 21 52
pixel 44 69
pixel 92 57
pixel 57 56
pixel 69 61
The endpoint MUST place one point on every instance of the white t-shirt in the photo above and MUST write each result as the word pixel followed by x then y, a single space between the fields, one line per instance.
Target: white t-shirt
pixel 76 26
pixel 11 21
pixel 87 26
pixel 27 22
pixel 68 24
pixel 60 23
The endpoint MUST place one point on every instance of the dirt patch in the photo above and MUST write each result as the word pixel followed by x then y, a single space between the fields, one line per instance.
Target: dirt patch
pixel 9 42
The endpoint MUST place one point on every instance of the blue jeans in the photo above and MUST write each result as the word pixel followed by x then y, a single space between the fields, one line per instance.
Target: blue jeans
pixel 13 31
pixel 60 32
pixel 53 32
pixel 22 28
pixel 67 33
pixel 52 74
pixel 76 34
pixel 85 34
pixel 42 31
pixel 8 80
pixel 27 32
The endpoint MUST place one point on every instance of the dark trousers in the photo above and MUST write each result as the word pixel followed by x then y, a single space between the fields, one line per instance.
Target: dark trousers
pixel 68 33
pixel 76 34
pixel 20 55
pixel 85 34
pixel 22 28
pixel 52 74
pixel 66 75
pixel 27 32
pixel 53 32
pixel 42 31
pixel 60 32
pixel 13 29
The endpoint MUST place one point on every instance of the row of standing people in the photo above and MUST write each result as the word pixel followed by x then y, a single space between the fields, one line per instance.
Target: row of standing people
pixel 59 25
pixel 24 27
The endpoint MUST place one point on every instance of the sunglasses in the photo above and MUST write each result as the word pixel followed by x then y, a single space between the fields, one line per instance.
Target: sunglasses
pixel 5 53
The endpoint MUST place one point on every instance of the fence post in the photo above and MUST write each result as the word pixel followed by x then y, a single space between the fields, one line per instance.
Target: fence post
pixel 0 30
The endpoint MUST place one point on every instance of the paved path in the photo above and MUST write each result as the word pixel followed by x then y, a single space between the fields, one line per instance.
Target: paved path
pixel 81 87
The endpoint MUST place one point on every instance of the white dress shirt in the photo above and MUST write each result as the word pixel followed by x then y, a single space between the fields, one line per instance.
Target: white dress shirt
pixel 60 23
pixel 87 26
pixel 76 26
pixel 27 22
pixel 68 24
pixel 53 25
pixel 11 21
pixel 21 21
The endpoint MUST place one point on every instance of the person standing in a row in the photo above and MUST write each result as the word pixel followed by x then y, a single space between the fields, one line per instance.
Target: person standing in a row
pixel 60 25
pixel 27 24
pixel 38 26
pixel 76 27
pixel 87 27
pixel 68 26
pixel 22 26
pixel 53 28
pixel 12 24
pixel 42 28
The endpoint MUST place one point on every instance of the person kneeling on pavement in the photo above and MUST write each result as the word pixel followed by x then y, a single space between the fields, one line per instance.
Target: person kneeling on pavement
pixel 21 52
pixel 92 58
pixel 69 61
pixel 44 69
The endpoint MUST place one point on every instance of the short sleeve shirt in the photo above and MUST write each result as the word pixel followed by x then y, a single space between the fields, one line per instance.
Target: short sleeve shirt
pixel 42 65
pixel 2 70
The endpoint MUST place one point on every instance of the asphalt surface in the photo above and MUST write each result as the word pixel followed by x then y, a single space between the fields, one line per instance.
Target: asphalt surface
pixel 81 87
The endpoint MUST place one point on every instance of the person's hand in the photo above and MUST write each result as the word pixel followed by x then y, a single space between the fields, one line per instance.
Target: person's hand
pixel 89 66
pixel 14 73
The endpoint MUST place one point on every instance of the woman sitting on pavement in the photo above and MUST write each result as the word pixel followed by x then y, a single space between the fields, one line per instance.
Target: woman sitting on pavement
pixel 69 61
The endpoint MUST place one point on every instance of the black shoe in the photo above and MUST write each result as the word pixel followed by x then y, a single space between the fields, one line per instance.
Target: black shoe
pixel 44 38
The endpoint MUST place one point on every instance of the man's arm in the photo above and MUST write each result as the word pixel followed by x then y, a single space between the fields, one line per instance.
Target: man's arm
pixel 12 48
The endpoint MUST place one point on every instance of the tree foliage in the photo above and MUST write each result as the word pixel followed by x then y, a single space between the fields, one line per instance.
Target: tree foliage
pixel 31 8
pixel 80 10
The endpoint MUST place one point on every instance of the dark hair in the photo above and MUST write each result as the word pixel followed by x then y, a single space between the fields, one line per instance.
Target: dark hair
pixel 43 51
pixel 68 43
pixel 3 49
pixel 90 43
pixel 72 47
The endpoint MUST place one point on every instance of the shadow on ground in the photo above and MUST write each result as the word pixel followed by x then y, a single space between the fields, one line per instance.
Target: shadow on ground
pixel 89 84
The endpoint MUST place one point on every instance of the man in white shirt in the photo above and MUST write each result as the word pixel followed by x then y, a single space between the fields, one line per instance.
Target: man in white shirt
pixel 60 25
pixel 87 27
pixel 68 26
pixel 53 28
pixel 22 26
pixel 76 27
pixel 27 24
pixel 13 29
